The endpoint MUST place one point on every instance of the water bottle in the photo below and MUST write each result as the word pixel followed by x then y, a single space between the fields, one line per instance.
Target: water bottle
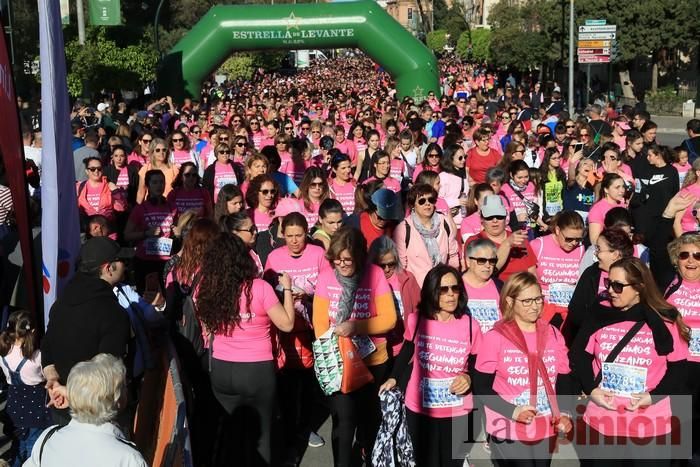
pixel 462 208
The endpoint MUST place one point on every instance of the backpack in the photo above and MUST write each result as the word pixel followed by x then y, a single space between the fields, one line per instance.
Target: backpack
pixel 408 231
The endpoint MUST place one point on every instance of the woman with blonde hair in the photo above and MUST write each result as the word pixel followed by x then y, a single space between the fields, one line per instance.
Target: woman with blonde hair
pixel 158 160
pixel 522 414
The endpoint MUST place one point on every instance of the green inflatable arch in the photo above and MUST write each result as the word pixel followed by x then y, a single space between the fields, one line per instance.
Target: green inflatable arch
pixel 362 24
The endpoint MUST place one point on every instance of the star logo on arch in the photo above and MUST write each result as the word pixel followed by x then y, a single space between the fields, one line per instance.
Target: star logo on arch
pixel 418 93
pixel 293 22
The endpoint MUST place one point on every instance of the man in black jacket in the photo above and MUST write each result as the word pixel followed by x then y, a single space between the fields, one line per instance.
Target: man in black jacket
pixel 87 319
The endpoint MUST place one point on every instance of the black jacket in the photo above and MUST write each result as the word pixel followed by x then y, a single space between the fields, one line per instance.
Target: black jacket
pixel 209 173
pixel 658 186
pixel 86 320
pixel 112 175
pixel 583 302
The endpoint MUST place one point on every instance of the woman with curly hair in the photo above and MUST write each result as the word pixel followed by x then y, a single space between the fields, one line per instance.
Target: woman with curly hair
pixel 262 197
pixel 238 310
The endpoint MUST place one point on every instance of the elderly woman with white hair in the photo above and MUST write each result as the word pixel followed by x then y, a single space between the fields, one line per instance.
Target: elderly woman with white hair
pixel 96 391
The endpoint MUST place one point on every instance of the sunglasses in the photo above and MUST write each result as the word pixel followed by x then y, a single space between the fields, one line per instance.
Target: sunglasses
pixel 616 286
pixel 573 239
pixel 251 230
pixel 482 261
pixel 159 150
pixel 146 140
pixel 433 154
pixel 95 169
pixel 254 123
pixel 391 265
pixel 494 218
pixel 461 158
pixel 223 138
pixel 288 128
pixel 236 121
pixel 429 200
pixel 178 140
pixel 684 255
pixel 612 158
pixel 196 132
pixel 444 289
pixel 224 152
pixel 272 192
pixel 570 126
pixel 585 135
pixel 316 185
pixel 240 145
pixel 305 128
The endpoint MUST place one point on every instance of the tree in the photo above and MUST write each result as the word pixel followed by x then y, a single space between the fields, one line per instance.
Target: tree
pixel 475 44
pixel 437 40
pixel 517 39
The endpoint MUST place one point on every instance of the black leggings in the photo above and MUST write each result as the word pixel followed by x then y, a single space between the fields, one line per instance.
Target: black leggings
pixel 439 442
pixel 246 391
pixel 358 410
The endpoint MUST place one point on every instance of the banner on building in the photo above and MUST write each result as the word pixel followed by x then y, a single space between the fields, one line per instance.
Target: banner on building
pixel 105 12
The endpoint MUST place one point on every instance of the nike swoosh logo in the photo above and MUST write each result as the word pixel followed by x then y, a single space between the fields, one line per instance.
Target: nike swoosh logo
pixel 655 179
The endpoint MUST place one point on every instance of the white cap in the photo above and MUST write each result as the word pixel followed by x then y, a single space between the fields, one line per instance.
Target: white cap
pixel 101 107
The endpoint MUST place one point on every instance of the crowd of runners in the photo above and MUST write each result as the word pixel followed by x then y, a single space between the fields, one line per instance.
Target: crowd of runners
pixel 472 267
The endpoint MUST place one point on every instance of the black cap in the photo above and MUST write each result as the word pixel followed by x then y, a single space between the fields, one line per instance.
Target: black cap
pixel 100 250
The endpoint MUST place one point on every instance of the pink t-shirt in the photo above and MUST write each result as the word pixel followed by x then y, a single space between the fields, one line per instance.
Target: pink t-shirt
pixel 442 351
pixel 345 194
pixel 514 202
pixel 598 211
pixel 147 215
pixel 372 284
pixel 389 183
pixel 690 223
pixel 298 168
pixel 180 157
pixel 286 167
pixel 471 225
pixel 349 148
pixel 310 214
pixel 262 220
pixel 682 172
pixel 223 175
pixel 92 194
pixel 557 270
pixel 398 168
pixel 497 355
pixel 483 304
pixel 184 200
pixel 419 168
pixel 639 357
pixel 687 300
pixel 251 341
pixel 303 270
pixel 123 178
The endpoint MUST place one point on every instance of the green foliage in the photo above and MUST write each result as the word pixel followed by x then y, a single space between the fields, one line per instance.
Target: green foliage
pixel 437 40
pixel 451 20
pixel 664 101
pixel 517 38
pixel 102 64
pixel 475 44
pixel 243 64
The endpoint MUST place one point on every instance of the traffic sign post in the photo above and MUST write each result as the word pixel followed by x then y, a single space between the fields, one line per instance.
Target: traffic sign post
pixel 595 41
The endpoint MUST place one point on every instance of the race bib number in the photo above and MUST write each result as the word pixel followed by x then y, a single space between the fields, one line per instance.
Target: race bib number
pixel 694 344
pixel 485 312
pixel 553 208
pixel 436 393
pixel 560 294
pixel 622 379
pixel 543 407
pixel 158 246
pixel 364 345
pixel 222 181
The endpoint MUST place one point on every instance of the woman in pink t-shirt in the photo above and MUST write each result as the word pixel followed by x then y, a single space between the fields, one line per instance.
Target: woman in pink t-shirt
pixel 441 339
pixel 342 186
pixel 241 225
pixel 433 179
pixel 629 385
pixel 381 163
pixel 483 292
pixel 471 225
pixel 188 192
pixel 237 311
pixel 262 197
pixel 521 194
pixel 519 391
pixel 222 171
pixel 558 257
pixel 257 164
pixel 613 195
pixel 313 190
pixel 180 151
pixel 454 180
pixel 688 220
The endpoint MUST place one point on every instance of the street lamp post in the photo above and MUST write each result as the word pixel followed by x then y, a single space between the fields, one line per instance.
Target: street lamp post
pixel 571 58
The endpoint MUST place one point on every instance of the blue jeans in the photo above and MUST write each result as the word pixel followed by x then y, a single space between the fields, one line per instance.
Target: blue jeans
pixel 26 439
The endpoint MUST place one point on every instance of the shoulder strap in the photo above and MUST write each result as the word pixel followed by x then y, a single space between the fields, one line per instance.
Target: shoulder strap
pixel 20 366
pixel 619 347
pixel 675 285
pixel 9 368
pixel 408 233
pixel 81 187
pixel 447 227
pixel 48 436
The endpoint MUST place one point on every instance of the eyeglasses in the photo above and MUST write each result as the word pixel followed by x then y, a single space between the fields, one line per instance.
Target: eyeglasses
pixel 444 289
pixel 316 185
pixel 272 192
pixel 178 140
pixel 189 174
pixel 433 154
pixel 684 255
pixel 482 261
pixel 430 200
pixel 616 286
pixel 390 265
pixel 159 150
pixel 254 123
pixel 95 169
pixel 529 301
pixel 240 145
pixel 573 239
pixel 494 218
pixel 224 152
pixel 343 261
pixel 251 230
